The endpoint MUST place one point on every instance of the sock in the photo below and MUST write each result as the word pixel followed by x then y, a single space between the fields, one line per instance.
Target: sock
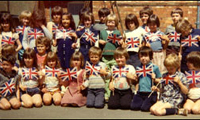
pixel 171 111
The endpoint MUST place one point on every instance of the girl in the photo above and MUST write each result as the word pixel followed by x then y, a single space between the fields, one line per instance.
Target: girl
pixel 65 40
pixel 74 95
pixel 193 97
pixel 133 39
pixel 81 12
pixel 7 30
pixel 157 41
pixel 55 24
pixel 43 47
pixel 88 35
pixel 173 89
pixel 30 81
pixel 9 79
pixel 120 84
pixel 24 18
pixel 51 84
pixel 37 28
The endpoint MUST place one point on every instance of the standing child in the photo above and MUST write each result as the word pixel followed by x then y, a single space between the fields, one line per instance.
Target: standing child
pixel 88 35
pixel 174 37
pixel 190 38
pixel 120 84
pixel 30 81
pixel 157 41
pixel 9 79
pixel 110 38
pixel 55 24
pixel 43 46
pixel 65 40
pixel 146 73
pixel 81 12
pixel 8 35
pixel 74 95
pixel 24 18
pixel 173 89
pixel 95 78
pixel 193 97
pixel 51 81
pixel 37 28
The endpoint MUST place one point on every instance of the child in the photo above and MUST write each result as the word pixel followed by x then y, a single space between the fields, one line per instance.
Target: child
pixel 157 41
pixel 8 78
pixel 174 43
pixel 120 84
pixel 95 79
pixel 145 13
pixel 30 81
pixel 24 18
pixel 74 95
pixel 7 30
pixel 65 40
pixel 133 39
pixel 37 28
pixel 55 24
pixel 51 83
pixel 189 41
pixel 43 47
pixel 102 13
pixel 81 12
pixel 110 38
pixel 146 73
pixel 173 85
pixel 88 36
pixel 193 97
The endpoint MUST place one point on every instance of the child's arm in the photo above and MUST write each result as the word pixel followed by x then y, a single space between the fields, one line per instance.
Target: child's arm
pixel 111 84
pixel 19 45
pixel 25 43
pixel 184 89
pixel 165 41
pixel 47 32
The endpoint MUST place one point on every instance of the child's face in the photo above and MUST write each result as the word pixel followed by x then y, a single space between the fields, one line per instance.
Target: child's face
pixel 88 22
pixel 171 69
pixel 152 27
pixel 131 25
pixel 56 18
pixel 65 21
pixel 5 26
pixel 28 62
pixel 176 17
pixel 144 59
pixel 76 63
pixel 190 66
pixel 25 21
pixel 185 33
pixel 7 66
pixel 41 49
pixel 102 18
pixel 51 63
pixel 94 59
pixel 110 24
pixel 120 60
pixel 144 18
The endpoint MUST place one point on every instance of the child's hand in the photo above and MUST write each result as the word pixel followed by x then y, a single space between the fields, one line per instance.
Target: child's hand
pixel 154 88
pixel 111 86
pixel 15 68
pixel 180 56
pixel 82 87
pixel 148 44
pixel 121 42
pixel 165 38
pixel 63 89
pixel 131 76
pixel 23 88
pixel 102 42
pixel 73 34
pixel 74 45
pixel 153 76
pixel 198 38
pixel 177 80
pixel 44 90
pixel 103 72
pixel 124 45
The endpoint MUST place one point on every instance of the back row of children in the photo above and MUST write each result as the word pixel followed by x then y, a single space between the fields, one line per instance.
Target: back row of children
pixel 144 43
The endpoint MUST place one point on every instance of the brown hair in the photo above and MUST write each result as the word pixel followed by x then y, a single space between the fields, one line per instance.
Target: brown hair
pixel 29 53
pixel 154 19
pixel 87 16
pixel 77 56
pixel 112 17
pixel 95 50
pixel 70 17
pixel 172 60
pixel 131 18
pixel 177 10
pixel 6 18
pixel 194 58
pixel 8 49
pixel 36 16
pixel 57 10
pixel 52 56
pixel 121 52
pixel 25 14
pixel 146 51
pixel 146 10
pixel 44 41
pixel 183 25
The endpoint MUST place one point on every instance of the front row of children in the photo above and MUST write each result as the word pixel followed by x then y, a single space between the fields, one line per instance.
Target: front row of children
pixel 33 87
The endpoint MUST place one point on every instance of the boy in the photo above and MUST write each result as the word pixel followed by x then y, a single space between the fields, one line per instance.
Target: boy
pixel 95 79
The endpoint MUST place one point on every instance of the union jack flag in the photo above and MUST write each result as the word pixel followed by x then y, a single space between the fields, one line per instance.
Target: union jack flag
pixel 20 29
pixel 63 33
pixel 7 40
pixel 144 70
pixel 92 69
pixel 8 87
pixel 189 41
pixel 168 79
pixel 70 74
pixel 114 38
pixel 90 37
pixel 54 28
pixel 146 29
pixel 193 77
pixel 80 27
pixel 119 71
pixel 133 42
pixel 29 74
pixel 152 37
pixel 51 72
pixel 33 34
pixel 174 37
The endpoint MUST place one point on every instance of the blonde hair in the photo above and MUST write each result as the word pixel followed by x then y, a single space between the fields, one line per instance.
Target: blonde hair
pixel 95 50
pixel 183 25
pixel 52 56
pixel 25 14
pixel 172 60
pixel 77 55
pixel 112 17
pixel 121 52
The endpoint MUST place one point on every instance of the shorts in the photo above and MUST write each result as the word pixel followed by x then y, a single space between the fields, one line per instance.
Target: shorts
pixel 31 91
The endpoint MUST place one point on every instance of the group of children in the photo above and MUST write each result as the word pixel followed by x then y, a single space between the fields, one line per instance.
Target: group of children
pixel 143 69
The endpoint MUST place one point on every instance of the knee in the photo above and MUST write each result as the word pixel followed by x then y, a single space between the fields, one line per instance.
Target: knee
pixel 28 104
pixel 16 105
pixel 158 112
pixel 47 101
pixel 57 102
pixel 195 110
pixel 152 109
pixel 6 106
pixel 125 106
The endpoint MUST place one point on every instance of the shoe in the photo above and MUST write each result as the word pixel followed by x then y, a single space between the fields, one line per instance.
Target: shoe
pixel 183 111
